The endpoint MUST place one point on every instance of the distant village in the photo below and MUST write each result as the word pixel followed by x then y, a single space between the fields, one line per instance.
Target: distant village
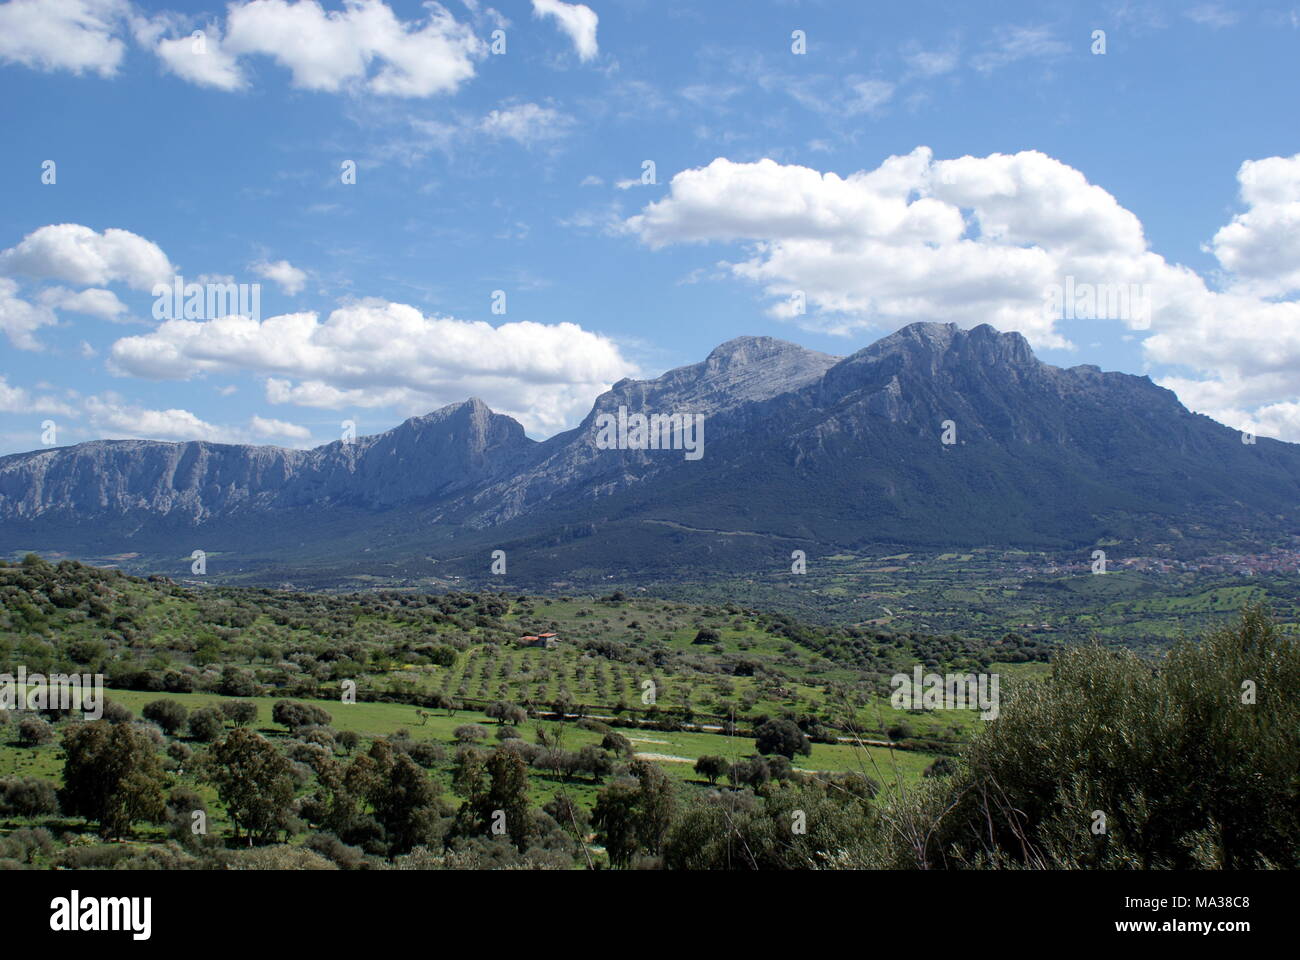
pixel 1274 561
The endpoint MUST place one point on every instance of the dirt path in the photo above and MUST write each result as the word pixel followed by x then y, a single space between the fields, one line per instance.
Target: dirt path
pixel 664 757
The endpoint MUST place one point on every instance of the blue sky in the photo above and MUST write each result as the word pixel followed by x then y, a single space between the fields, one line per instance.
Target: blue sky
pixel 1165 171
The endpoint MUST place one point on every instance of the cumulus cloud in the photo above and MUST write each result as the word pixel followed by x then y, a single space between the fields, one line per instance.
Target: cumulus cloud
pixel 575 19
pixel 282 273
pixel 112 417
pixel 987 240
pixel 74 35
pixel 375 353
pixel 93 302
pixel 363 46
pixel 198 56
pixel 15 399
pixel 19 319
pixel 278 429
pixel 78 255
pixel 1261 247
pixel 115 419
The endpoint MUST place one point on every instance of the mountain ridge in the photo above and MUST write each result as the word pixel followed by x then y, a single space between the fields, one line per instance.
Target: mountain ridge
pixel 931 435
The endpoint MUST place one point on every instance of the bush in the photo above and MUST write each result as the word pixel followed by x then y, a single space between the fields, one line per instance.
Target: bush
pixel 34 732
pixel 470 733
pixel 293 714
pixel 116 713
pixel 1194 762
pixel 711 768
pixel 336 851
pixel 426 753
pixel 943 767
pixel 781 737
pixel 206 724
pixel 507 713
pixel 239 712
pixel 617 744
pixel 170 715
pixel 900 731
pixel 27 797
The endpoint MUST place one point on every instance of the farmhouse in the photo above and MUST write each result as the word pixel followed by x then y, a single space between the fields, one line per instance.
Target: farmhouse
pixel 546 640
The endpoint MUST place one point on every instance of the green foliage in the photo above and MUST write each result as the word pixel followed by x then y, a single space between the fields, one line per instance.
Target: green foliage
pixel 253 780
pixel 170 715
pixel 786 827
pixel 711 767
pixel 111 776
pixel 634 814
pixel 1187 768
pixel 781 737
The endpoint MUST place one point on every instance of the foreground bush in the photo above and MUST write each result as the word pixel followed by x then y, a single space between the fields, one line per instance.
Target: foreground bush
pixel 1114 762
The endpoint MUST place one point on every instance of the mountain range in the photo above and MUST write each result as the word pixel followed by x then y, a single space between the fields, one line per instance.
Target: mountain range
pixel 932 438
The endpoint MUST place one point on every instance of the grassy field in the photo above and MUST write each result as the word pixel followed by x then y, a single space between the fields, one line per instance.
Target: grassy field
pixel 673 751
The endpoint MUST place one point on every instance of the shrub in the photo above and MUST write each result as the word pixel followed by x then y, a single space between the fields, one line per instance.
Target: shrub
pixel 239 712
pixel 900 731
pixel 470 733
pixel 781 737
pixel 1194 761
pixel 206 724
pixel 34 732
pixel 170 715
pixel 27 797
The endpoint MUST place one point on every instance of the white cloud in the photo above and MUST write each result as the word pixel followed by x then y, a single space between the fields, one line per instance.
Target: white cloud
pixel 1212 15
pixel 834 96
pixel 867 96
pixel 75 35
pixel 284 274
pixel 118 420
pixel 19 320
pixel 375 353
pixel 526 123
pixel 114 418
pixel 18 400
pixel 576 19
pixel 1261 247
pixel 332 50
pixel 931 63
pixel 985 239
pixel 278 429
pixel 1012 44
pixel 93 302
pixel 202 60
pixel 77 254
